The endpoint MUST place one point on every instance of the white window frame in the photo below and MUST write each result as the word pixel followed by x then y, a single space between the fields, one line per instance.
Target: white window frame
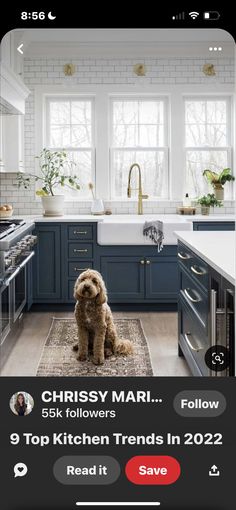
pixel 229 133
pixel 68 97
pixel 164 148
pixel 101 95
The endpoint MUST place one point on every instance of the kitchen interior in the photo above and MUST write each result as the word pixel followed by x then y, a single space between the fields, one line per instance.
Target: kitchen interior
pixel 104 132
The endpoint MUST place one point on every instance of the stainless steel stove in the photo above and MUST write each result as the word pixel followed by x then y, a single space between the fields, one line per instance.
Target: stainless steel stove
pixel 16 252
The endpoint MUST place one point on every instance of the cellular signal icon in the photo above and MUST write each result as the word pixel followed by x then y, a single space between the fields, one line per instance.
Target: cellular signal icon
pixel 193 14
pixel 179 16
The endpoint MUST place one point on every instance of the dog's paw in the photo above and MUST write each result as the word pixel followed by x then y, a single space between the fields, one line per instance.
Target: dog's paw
pixel 98 360
pixel 75 347
pixel 82 357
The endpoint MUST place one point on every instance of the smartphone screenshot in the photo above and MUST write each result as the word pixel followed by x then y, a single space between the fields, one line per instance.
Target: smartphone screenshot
pixel 117 259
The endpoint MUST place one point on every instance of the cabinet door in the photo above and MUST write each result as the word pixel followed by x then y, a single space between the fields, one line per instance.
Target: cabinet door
pixel 161 278
pixel 47 264
pixel 214 225
pixel 124 278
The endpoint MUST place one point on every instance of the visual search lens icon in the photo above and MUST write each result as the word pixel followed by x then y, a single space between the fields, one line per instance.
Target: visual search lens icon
pixel 193 14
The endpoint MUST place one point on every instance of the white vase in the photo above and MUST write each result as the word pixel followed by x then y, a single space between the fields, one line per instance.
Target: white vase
pixel 97 206
pixel 53 205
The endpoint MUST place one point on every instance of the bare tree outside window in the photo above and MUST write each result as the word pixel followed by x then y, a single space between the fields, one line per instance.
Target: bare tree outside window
pixel 207 142
pixel 139 136
pixel 70 127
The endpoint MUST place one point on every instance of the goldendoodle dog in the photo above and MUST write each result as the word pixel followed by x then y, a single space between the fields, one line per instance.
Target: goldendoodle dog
pixel 96 328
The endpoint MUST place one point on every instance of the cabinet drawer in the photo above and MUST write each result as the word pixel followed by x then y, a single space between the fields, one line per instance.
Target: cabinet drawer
pixel 76 268
pixel 80 250
pixel 199 270
pixel 195 297
pixel 184 255
pixel 80 232
pixel 193 341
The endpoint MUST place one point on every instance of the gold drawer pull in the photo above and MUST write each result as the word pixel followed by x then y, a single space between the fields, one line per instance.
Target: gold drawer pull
pixel 186 291
pixel 196 349
pixel 183 257
pixel 80 251
pixel 80 268
pixel 80 232
pixel 195 271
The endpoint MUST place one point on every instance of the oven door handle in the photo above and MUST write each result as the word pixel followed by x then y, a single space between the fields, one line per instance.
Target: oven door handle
pixel 13 275
pixel 23 264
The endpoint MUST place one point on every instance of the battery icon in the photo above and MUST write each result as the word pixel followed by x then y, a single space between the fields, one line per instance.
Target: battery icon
pixel 212 15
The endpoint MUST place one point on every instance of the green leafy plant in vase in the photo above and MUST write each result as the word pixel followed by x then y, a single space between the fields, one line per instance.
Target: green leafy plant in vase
pixel 207 201
pixel 218 181
pixel 57 171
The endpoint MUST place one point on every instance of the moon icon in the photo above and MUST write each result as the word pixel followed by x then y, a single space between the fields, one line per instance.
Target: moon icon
pixel 50 16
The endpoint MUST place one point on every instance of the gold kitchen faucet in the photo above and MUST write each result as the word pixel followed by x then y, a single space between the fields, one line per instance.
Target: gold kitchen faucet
pixel 140 192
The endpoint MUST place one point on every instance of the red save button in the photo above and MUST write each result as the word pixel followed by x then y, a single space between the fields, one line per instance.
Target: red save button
pixel 153 470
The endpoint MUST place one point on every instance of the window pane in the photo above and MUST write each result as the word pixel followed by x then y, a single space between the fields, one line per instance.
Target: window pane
pixel 154 177
pixel 151 136
pixel 216 135
pixel 195 112
pixel 60 112
pixel 205 124
pixel 81 136
pixel 125 135
pixel 81 112
pixel 60 136
pixel 125 112
pixel 196 163
pixel 151 112
pixel 83 169
pixel 216 112
pixel 195 135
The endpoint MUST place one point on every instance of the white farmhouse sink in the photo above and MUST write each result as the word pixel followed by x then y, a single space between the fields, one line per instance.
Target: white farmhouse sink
pixel 128 230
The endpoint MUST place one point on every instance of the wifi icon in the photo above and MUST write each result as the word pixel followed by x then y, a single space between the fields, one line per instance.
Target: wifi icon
pixel 193 14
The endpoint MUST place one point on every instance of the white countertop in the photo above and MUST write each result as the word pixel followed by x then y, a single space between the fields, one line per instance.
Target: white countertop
pixel 216 248
pixel 128 218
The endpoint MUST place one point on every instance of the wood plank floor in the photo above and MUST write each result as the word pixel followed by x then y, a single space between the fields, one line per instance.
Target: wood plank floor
pixel 160 330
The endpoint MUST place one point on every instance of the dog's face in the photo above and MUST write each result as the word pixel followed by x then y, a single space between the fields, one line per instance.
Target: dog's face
pixel 90 285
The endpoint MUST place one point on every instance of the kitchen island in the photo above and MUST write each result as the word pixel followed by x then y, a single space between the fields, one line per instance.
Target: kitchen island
pixel 206 262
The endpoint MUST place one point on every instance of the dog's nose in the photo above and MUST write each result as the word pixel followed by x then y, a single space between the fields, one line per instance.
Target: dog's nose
pixel 86 287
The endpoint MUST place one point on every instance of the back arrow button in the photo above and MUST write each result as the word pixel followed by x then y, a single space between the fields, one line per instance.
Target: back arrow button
pixel 20 48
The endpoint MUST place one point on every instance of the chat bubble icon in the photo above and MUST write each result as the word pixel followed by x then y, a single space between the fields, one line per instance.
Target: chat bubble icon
pixel 20 469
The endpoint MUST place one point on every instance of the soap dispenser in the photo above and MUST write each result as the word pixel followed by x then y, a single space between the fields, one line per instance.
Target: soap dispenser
pixel 186 201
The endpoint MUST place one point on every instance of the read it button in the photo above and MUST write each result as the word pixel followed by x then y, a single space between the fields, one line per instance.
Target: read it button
pixel 153 470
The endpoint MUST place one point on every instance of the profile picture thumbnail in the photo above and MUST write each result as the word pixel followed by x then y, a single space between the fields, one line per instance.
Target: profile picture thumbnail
pixel 21 403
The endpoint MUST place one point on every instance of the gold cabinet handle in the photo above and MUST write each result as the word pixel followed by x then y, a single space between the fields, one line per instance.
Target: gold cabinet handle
pixel 186 291
pixel 80 268
pixel 142 262
pixel 80 232
pixel 183 257
pixel 195 271
pixel 80 251
pixel 148 262
pixel 196 349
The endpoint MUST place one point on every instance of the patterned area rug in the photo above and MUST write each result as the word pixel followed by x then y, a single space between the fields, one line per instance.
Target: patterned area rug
pixel 58 358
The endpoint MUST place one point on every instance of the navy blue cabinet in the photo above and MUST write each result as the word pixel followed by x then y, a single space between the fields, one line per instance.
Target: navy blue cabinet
pixel 214 225
pixel 161 278
pixel 47 264
pixel 140 274
pixel 124 277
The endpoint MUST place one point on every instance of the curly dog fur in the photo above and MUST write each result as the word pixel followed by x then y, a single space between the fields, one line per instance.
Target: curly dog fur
pixel 96 327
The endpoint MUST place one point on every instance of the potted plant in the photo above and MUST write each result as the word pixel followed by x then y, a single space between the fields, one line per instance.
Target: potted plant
pixel 207 201
pixel 56 171
pixel 218 181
